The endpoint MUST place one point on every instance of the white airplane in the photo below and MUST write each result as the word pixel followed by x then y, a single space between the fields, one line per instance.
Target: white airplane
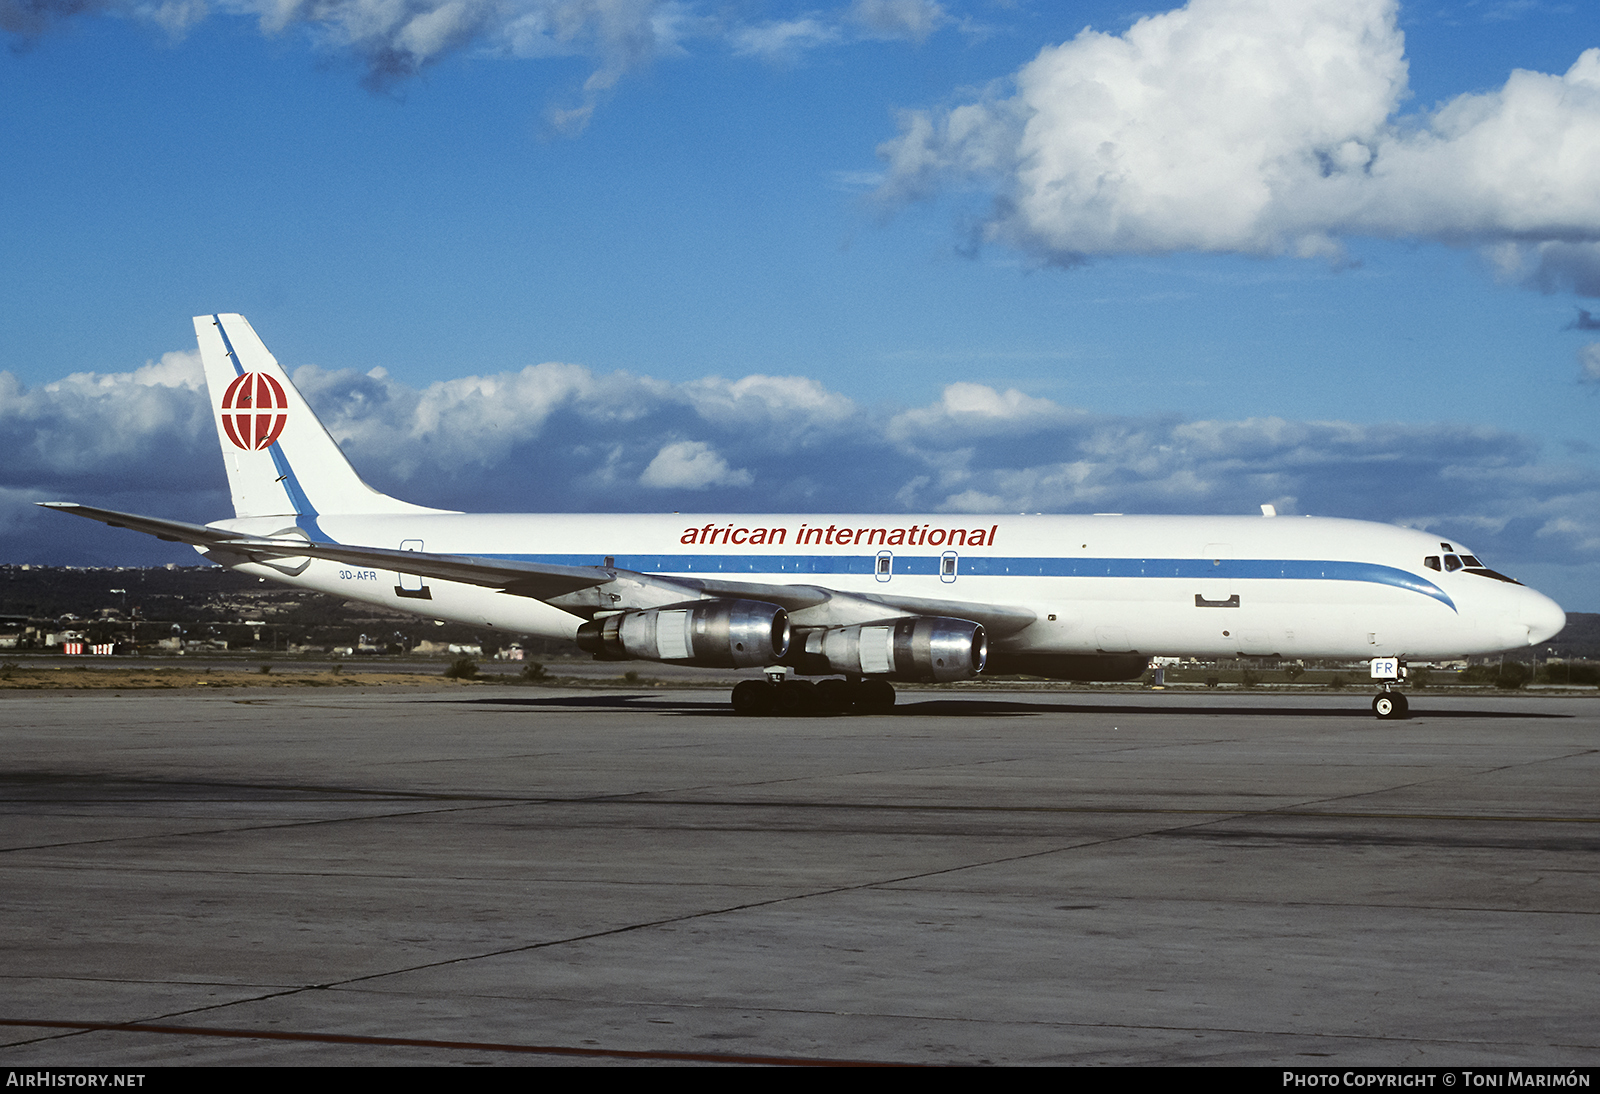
pixel 865 599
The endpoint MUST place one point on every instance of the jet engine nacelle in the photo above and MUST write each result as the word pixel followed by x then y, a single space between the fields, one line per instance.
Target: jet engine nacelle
pixel 712 633
pixel 921 648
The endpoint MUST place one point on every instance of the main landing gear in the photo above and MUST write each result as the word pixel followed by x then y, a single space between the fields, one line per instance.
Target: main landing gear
pixel 777 695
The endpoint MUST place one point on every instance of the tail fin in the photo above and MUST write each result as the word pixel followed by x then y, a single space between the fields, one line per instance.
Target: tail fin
pixel 280 459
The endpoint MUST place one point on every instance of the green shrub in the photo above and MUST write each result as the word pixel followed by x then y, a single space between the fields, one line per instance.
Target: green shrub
pixel 462 668
pixel 1512 675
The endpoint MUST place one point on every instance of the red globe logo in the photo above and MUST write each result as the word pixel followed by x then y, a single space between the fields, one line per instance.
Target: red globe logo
pixel 253 410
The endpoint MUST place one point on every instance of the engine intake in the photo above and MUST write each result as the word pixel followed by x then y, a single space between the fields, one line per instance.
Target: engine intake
pixel 920 648
pixel 710 633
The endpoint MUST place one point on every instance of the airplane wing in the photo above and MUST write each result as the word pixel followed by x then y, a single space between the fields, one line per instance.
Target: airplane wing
pixel 537 580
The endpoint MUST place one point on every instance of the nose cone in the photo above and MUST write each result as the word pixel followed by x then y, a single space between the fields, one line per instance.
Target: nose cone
pixel 1542 616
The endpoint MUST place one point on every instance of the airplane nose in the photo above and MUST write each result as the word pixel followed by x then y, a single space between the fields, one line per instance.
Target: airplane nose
pixel 1542 616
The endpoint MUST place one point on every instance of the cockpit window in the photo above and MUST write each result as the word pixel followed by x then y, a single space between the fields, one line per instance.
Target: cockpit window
pixel 1469 564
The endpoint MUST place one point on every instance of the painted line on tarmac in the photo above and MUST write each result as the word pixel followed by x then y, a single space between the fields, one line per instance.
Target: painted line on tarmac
pixel 419 1042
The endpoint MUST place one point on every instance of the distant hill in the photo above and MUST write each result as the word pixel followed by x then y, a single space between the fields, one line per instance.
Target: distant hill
pixel 1580 638
pixel 149 603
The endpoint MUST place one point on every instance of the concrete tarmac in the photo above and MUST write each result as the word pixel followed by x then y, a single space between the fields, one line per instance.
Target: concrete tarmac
pixel 501 875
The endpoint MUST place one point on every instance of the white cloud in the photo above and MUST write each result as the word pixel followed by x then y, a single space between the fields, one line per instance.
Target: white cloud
pixel 913 20
pixel 691 465
pixel 1260 127
pixel 783 38
pixel 94 427
pixel 396 39
pixel 1589 362
pixel 968 410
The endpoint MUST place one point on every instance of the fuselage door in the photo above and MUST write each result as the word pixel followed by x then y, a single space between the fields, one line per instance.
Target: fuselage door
pixel 412 586
pixel 1216 584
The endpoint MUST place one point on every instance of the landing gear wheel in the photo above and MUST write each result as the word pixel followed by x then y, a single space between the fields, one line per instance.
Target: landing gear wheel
pixel 835 696
pixel 1390 706
pixel 753 697
pixel 795 697
pixel 875 695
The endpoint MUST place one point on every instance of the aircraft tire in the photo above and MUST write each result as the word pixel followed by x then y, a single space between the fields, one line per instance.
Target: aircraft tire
pixel 795 697
pixel 753 698
pixel 1390 706
pixel 875 695
pixel 835 696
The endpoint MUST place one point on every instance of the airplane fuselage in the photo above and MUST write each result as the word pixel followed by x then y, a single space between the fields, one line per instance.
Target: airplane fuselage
pixel 1203 586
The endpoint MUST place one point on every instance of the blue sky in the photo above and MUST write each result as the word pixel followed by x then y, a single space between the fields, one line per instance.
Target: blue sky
pixel 1314 274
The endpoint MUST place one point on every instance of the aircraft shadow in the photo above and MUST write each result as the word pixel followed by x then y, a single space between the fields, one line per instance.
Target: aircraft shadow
pixel 663 703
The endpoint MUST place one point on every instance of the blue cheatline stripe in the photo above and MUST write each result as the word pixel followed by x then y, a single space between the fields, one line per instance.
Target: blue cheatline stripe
pixel 1191 569
pixel 306 521
pixel 227 344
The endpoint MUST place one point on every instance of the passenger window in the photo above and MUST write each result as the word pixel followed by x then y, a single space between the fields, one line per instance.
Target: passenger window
pixel 883 564
pixel 1431 562
pixel 949 565
pixel 1452 563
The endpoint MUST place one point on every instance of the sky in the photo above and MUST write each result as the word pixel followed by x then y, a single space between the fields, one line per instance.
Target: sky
pixel 1340 256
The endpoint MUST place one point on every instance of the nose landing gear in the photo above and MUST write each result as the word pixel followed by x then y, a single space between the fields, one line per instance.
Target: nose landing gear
pixel 1389 704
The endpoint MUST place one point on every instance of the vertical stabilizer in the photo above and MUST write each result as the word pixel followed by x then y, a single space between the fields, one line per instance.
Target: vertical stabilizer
pixel 280 459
